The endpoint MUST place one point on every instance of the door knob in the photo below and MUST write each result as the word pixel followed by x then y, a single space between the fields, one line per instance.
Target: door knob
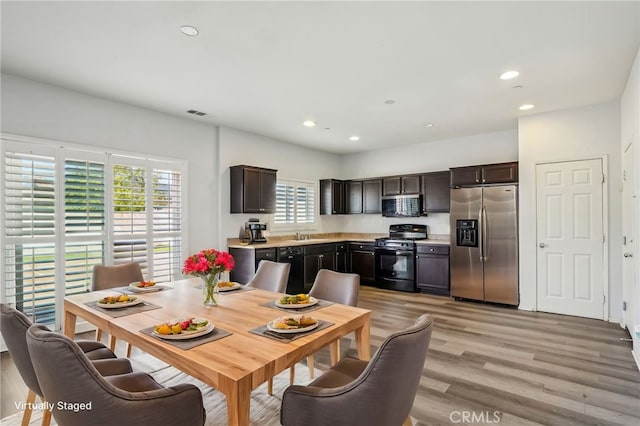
pixel 541 245
pixel 628 255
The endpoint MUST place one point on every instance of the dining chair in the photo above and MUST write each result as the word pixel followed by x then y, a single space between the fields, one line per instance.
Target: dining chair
pixel 271 276
pixel 379 392
pixel 125 399
pixel 14 325
pixel 335 287
pixel 106 277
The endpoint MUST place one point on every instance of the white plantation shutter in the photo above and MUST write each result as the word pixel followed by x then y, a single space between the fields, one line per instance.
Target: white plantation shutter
pixel 68 209
pixel 295 204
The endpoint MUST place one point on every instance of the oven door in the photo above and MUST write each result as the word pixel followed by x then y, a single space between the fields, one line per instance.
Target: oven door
pixel 395 268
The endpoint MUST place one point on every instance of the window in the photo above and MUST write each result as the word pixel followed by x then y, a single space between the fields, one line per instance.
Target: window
pixel 67 209
pixel 295 205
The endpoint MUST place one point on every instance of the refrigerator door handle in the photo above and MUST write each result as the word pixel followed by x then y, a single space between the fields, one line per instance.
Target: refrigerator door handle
pixel 480 234
pixel 484 233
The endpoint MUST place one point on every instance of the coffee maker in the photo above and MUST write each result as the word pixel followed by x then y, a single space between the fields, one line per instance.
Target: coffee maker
pixel 253 231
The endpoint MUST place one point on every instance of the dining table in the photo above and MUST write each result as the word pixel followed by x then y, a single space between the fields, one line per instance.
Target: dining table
pixel 237 363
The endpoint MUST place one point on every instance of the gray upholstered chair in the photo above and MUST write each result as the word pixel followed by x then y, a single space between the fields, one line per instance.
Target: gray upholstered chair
pixel 354 392
pixel 14 325
pixel 106 277
pixel 271 276
pixel 336 287
pixel 127 399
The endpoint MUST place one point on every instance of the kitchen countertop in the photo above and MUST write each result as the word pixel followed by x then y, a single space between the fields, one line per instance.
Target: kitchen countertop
pixel 370 238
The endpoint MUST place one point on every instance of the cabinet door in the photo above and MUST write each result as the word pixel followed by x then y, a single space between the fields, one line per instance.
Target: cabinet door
pixel 353 196
pixel 436 192
pixel 337 192
pixel 267 192
pixel 432 274
pixel 500 173
pixel 410 184
pixel 462 176
pixel 341 261
pixel 372 192
pixel 363 264
pixel 252 191
pixel 311 267
pixel 328 261
pixel 391 185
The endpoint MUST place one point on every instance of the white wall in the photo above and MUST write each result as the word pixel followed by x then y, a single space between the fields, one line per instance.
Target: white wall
pixel 588 132
pixel 424 157
pixel 34 109
pixel 292 162
pixel 630 132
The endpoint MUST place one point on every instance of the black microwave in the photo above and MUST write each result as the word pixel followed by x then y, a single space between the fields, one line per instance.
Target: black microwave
pixel 405 205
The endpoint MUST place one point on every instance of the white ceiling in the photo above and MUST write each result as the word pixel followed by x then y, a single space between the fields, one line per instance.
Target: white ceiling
pixel 267 66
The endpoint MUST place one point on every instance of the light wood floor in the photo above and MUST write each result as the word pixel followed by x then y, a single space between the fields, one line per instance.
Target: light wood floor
pixel 492 364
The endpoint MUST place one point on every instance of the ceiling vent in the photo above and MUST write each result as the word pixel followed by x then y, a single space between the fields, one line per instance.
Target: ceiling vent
pixel 198 113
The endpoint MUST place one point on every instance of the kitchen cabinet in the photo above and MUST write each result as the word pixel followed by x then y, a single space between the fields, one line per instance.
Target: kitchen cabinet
pixel 435 192
pixel 316 257
pixel 353 196
pixel 246 262
pixel 294 256
pixel 371 194
pixel 341 257
pixel 484 174
pixel 394 185
pixel 331 196
pixel 362 261
pixel 432 269
pixel 253 189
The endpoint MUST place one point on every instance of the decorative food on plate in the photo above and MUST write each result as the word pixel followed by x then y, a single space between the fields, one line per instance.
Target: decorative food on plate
pixel 118 301
pixel 226 284
pixel 296 301
pixel 293 322
pixel 143 284
pixel 182 326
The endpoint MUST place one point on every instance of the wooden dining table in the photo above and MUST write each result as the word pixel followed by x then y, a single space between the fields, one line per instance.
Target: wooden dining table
pixel 236 364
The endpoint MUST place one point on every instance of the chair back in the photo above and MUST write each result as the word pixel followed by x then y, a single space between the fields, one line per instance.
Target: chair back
pixel 336 287
pixel 106 277
pixel 14 325
pixel 271 276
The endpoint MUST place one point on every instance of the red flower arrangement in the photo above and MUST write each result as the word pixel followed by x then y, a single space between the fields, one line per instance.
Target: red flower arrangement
pixel 209 264
pixel 209 261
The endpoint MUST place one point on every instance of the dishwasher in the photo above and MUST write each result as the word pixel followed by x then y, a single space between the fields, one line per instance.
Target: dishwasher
pixel 295 257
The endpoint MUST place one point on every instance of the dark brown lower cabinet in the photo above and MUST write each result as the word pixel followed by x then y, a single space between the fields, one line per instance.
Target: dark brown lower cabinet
pixel 341 257
pixel 316 257
pixel 246 262
pixel 362 262
pixel 432 269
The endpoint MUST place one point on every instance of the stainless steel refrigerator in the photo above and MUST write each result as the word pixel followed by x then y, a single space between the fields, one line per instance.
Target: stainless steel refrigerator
pixel 484 243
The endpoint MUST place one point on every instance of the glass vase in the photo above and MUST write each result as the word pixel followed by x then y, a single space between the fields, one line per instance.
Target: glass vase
pixel 210 289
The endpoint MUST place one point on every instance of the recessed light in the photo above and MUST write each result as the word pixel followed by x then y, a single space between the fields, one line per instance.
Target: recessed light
pixel 309 123
pixel 389 102
pixel 526 107
pixel 189 30
pixel 354 138
pixel 508 75
pixel 428 125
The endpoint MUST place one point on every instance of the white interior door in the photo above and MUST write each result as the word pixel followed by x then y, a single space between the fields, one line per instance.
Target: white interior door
pixel 570 276
pixel 628 228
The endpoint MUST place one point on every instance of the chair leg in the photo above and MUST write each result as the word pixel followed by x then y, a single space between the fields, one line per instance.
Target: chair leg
pixel 310 364
pixel 26 417
pixel 292 374
pixel 334 351
pixel 128 350
pixel 112 343
pixel 270 386
pixel 46 416
pixel 98 334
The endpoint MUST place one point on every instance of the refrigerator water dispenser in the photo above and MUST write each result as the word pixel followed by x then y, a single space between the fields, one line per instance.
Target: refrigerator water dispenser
pixel 467 233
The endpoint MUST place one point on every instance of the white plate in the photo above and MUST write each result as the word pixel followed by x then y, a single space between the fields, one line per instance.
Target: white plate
pixel 235 286
pixel 291 330
pixel 186 334
pixel 119 304
pixel 312 301
pixel 134 287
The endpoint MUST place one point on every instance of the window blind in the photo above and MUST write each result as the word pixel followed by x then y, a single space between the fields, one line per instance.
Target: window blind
pixel 295 203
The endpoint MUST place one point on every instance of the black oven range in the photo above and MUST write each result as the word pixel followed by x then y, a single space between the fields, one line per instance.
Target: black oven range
pixel 395 257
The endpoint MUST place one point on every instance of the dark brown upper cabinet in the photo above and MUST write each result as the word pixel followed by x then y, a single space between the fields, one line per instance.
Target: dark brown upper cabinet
pixel 332 196
pixel 372 192
pixel 353 196
pixel 435 192
pixel 253 190
pixel 394 185
pixel 484 174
